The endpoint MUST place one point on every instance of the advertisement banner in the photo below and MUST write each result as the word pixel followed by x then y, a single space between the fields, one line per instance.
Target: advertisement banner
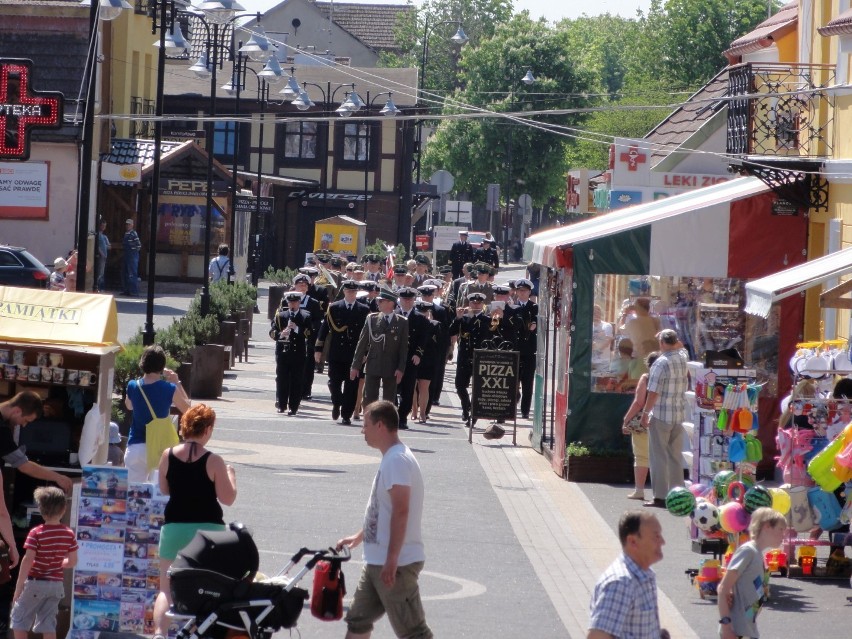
pixel 23 190
pixel 495 384
pixel 181 223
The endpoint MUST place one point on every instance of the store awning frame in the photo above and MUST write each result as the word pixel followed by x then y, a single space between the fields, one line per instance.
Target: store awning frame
pixel 541 247
pixel 762 293
pixel 281 180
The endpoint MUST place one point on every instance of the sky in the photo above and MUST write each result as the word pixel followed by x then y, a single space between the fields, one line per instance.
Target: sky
pixel 553 10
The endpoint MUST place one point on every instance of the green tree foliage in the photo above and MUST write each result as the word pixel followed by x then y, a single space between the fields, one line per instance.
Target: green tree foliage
pixel 476 151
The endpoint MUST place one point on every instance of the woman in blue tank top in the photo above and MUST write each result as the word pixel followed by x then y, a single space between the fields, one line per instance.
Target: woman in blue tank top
pixel 197 482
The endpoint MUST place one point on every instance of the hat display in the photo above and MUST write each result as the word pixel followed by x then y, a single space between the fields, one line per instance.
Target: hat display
pixel 488 238
pixel 114 433
pixel 523 283
pixel 400 269
pixel 476 297
pixel 446 268
pixel 422 259
pixel 350 285
pixel 501 289
pixel 407 292
pixel 309 270
pixel 302 278
pixel 387 294
pixel 427 289
pixel 293 296
pixel 59 264
pixel 424 306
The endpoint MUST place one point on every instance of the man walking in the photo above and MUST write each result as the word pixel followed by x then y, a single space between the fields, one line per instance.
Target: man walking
pixel 527 311
pixel 624 603
pixel 382 349
pixel 461 253
pixel 667 382
pixel 470 329
pixel 419 332
pixel 102 252
pixel 341 328
pixel 393 543
pixel 132 245
pixel 291 329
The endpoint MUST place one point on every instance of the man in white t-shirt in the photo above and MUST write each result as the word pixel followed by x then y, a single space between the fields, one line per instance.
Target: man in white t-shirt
pixel 393 543
pixel 220 265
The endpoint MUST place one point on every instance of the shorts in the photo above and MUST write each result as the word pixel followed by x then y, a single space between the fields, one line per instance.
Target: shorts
pixel 37 606
pixel 641 456
pixel 174 537
pixel 402 603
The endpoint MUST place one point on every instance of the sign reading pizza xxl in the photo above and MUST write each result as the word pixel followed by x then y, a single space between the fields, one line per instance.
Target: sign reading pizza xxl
pixel 23 109
pixel 495 384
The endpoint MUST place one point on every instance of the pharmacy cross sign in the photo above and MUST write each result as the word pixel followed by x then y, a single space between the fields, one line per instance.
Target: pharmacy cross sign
pixel 633 158
pixel 22 109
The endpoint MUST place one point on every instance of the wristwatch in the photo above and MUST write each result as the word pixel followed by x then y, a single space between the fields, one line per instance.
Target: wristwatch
pixel 725 621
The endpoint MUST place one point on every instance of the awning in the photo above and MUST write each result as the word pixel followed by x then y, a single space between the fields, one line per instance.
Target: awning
pixel 760 294
pixel 699 205
pixel 841 25
pixel 83 320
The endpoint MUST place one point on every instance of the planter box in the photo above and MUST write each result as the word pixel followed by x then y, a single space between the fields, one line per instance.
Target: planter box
pixel 599 470
pixel 208 371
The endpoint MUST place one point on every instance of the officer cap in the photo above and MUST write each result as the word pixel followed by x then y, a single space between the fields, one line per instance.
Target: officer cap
pixel 463 232
pixel 500 289
pixel 424 306
pixel 407 291
pixel 358 269
pixel 511 284
pixel 476 297
pixel 482 267
pixel 337 261
pixel 350 285
pixel 422 259
pixel 387 294
pixel 293 296
pixel 362 295
pixel 324 258
pixel 301 278
pixel 369 285
pixel 372 257
pixel 446 268
pixel 427 289
pixel 468 267
pixel 523 283
pixel 309 270
pixel 400 269
pixel 435 283
pixel 488 238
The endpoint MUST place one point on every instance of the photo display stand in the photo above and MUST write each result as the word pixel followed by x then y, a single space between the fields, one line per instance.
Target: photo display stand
pixel 495 388
pixel 117 576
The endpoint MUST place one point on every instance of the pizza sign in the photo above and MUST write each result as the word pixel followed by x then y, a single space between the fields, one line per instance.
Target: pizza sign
pixel 22 109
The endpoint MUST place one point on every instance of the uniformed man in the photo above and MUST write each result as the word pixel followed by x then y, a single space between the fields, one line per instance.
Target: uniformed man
pixel 461 253
pixel 291 330
pixel 470 328
pixel 371 289
pixel 527 342
pixel 487 253
pixel 421 270
pixel 341 327
pixel 319 293
pixel 371 262
pixel 382 349
pixel 400 272
pixel 432 356
pixel 480 284
pixel 442 342
pixel 419 332
pixel 301 283
pixel 451 297
pixel 508 323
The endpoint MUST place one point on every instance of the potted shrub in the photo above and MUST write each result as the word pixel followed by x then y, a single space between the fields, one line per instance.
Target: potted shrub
pixel 586 463
pixel 280 281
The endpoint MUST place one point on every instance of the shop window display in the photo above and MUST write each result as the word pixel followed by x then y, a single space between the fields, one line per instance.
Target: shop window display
pixel 706 312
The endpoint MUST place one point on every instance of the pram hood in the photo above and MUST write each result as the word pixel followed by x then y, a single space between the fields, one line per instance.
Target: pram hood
pixel 232 553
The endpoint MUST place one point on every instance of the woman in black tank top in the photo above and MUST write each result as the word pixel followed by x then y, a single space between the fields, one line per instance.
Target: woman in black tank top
pixel 197 482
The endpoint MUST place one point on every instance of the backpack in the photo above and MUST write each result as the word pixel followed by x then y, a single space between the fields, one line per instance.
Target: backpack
pixel 160 434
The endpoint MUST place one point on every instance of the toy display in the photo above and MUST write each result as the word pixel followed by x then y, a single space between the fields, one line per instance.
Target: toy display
pixel 705 516
pixel 680 502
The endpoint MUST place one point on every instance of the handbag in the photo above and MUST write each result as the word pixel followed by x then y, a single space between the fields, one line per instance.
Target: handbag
pixel 160 434
pixel 634 425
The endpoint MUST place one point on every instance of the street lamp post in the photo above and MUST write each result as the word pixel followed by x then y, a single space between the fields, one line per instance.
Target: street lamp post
pixel 528 79
pixel 390 111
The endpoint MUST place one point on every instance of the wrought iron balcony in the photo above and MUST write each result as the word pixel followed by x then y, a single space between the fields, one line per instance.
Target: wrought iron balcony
pixel 778 109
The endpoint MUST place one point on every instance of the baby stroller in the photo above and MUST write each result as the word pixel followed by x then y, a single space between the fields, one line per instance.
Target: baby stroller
pixel 213 588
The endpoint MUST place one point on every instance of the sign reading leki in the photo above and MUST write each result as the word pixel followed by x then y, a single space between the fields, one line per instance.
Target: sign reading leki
pixel 22 109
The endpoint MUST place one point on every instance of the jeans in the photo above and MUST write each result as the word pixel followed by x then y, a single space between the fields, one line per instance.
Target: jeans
pixel 130 279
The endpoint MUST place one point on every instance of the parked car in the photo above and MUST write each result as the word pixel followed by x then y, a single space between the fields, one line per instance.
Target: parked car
pixel 19 268
pixel 474 238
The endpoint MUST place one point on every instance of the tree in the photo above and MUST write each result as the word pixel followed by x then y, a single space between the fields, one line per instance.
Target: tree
pixel 480 151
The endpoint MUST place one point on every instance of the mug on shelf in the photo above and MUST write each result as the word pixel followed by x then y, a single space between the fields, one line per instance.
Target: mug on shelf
pixel 4 356
pixel 10 371
pixel 18 357
pixel 56 359
pixel 58 375
pixel 35 374
pixel 72 377
pixel 87 378
pixel 43 359
pixel 46 374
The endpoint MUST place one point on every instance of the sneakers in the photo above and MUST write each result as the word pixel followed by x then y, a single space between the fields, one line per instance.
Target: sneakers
pixel 637 495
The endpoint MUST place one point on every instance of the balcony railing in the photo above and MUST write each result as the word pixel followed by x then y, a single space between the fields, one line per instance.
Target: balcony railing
pixel 780 109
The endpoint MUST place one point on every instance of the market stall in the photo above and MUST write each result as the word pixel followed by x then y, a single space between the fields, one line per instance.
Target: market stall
pixel 681 263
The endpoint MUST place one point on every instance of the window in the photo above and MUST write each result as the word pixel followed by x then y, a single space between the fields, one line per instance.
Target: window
pixel 355 144
pixel 300 140
pixel 224 136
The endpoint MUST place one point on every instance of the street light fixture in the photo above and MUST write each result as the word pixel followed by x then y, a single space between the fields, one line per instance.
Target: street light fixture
pixel 389 111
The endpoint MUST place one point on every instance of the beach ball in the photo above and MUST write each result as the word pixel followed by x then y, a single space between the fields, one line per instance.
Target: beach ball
pixel 720 483
pixel 699 490
pixel 780 500
pixel 680 502
pixel 733 517
pixel 757 497
pixel 706 515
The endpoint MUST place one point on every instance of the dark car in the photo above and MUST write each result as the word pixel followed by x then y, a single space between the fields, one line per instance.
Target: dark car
pixel 19 268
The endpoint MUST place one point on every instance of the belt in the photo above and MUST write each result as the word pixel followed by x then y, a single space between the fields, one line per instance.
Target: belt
pixel 42 579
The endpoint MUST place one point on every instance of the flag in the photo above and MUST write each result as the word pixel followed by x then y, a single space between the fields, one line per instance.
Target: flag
pixel 389 262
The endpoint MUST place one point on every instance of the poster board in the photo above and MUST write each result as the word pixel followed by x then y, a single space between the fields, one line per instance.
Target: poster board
pixel 495 385
pixel 117 576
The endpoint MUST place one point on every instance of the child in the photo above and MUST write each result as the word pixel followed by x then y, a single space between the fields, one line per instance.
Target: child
pixel 743 589
pixel 50 548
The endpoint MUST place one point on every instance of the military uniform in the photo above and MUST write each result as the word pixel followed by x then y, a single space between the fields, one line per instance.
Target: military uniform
pixel 488 255
pixel 342 327
pixel 475 286
pixel 460 254
pixel 290 355
pixel 315 309
pixel 419 332
pixel 472 331
pixel 526 345
pixel 382 349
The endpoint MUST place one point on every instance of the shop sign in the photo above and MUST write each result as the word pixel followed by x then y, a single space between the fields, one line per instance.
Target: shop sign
pixel 495 384
pixel 40 313
pixel 784 207
pixel 170 186
pixel 22 109
pixel 422 242
pixel 248 204
pixel 23 190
